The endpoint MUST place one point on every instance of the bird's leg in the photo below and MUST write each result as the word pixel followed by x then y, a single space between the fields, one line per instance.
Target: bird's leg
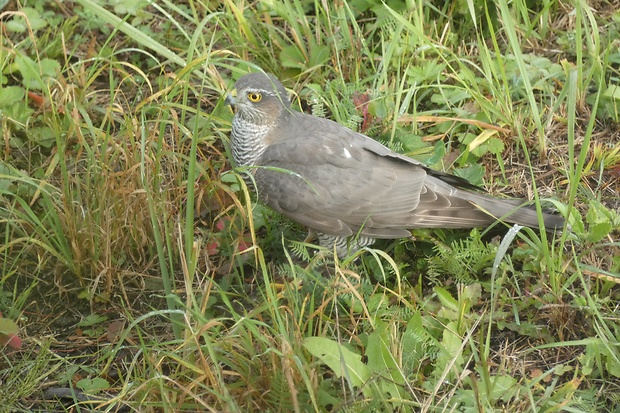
pixel 310 237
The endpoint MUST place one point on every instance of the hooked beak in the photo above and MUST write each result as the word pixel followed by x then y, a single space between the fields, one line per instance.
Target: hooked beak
pixel 231 99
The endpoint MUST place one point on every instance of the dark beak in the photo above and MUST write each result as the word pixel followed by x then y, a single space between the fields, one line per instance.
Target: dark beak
pixel 230 100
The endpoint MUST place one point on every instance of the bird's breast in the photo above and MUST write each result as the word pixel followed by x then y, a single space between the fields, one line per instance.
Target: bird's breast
pixel 247 141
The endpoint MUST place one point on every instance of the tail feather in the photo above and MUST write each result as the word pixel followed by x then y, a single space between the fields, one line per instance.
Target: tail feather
pixel 515 212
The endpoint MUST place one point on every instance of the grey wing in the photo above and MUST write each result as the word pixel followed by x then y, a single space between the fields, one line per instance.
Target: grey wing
pixel 335 190
pixel 337 183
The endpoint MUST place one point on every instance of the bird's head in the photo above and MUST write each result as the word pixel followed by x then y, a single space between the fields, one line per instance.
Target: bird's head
pixel 260 98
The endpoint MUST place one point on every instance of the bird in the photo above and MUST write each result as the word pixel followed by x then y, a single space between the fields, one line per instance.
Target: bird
pixel 345 187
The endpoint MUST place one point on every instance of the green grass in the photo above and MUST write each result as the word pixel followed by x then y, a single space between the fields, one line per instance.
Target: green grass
pixel 141 272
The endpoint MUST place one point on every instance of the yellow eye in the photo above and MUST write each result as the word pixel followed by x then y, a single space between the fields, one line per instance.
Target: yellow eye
pixel 254 97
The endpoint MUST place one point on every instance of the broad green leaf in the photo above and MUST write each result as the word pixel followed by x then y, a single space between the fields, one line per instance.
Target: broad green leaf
pixel 599 231
pixel 439 152
pixel 446 299
pixel 319 55
pixel 6 183
pixel 344 362
pixel 91 320
pixel 495 146
pixel 128 6
pixel 412 142
pixel 613 91
pixel 503 387
pixel 376 302
pixel 381 361
pixel 10 95
pixel 8 334
pixel 49 68
pixel 33 19
pixel 19 112
pixel 431 70
pixel 35 73
pixel 450 96
pixel 472 173
pixel 450 356
pixel 613 366
pixel 229 178
pixel 599 222
pixel 29 69
pixel 452 341
pixel 93 386
pixel 587 360
pixel 413 341
pixel 42 135
pixel 292 57
pixel 472 292
pixel 8 326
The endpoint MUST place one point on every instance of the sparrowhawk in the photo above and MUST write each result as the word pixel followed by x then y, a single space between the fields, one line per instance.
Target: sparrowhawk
pixel 346 187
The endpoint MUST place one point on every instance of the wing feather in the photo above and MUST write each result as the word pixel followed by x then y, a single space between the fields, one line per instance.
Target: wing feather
pixel 343 183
